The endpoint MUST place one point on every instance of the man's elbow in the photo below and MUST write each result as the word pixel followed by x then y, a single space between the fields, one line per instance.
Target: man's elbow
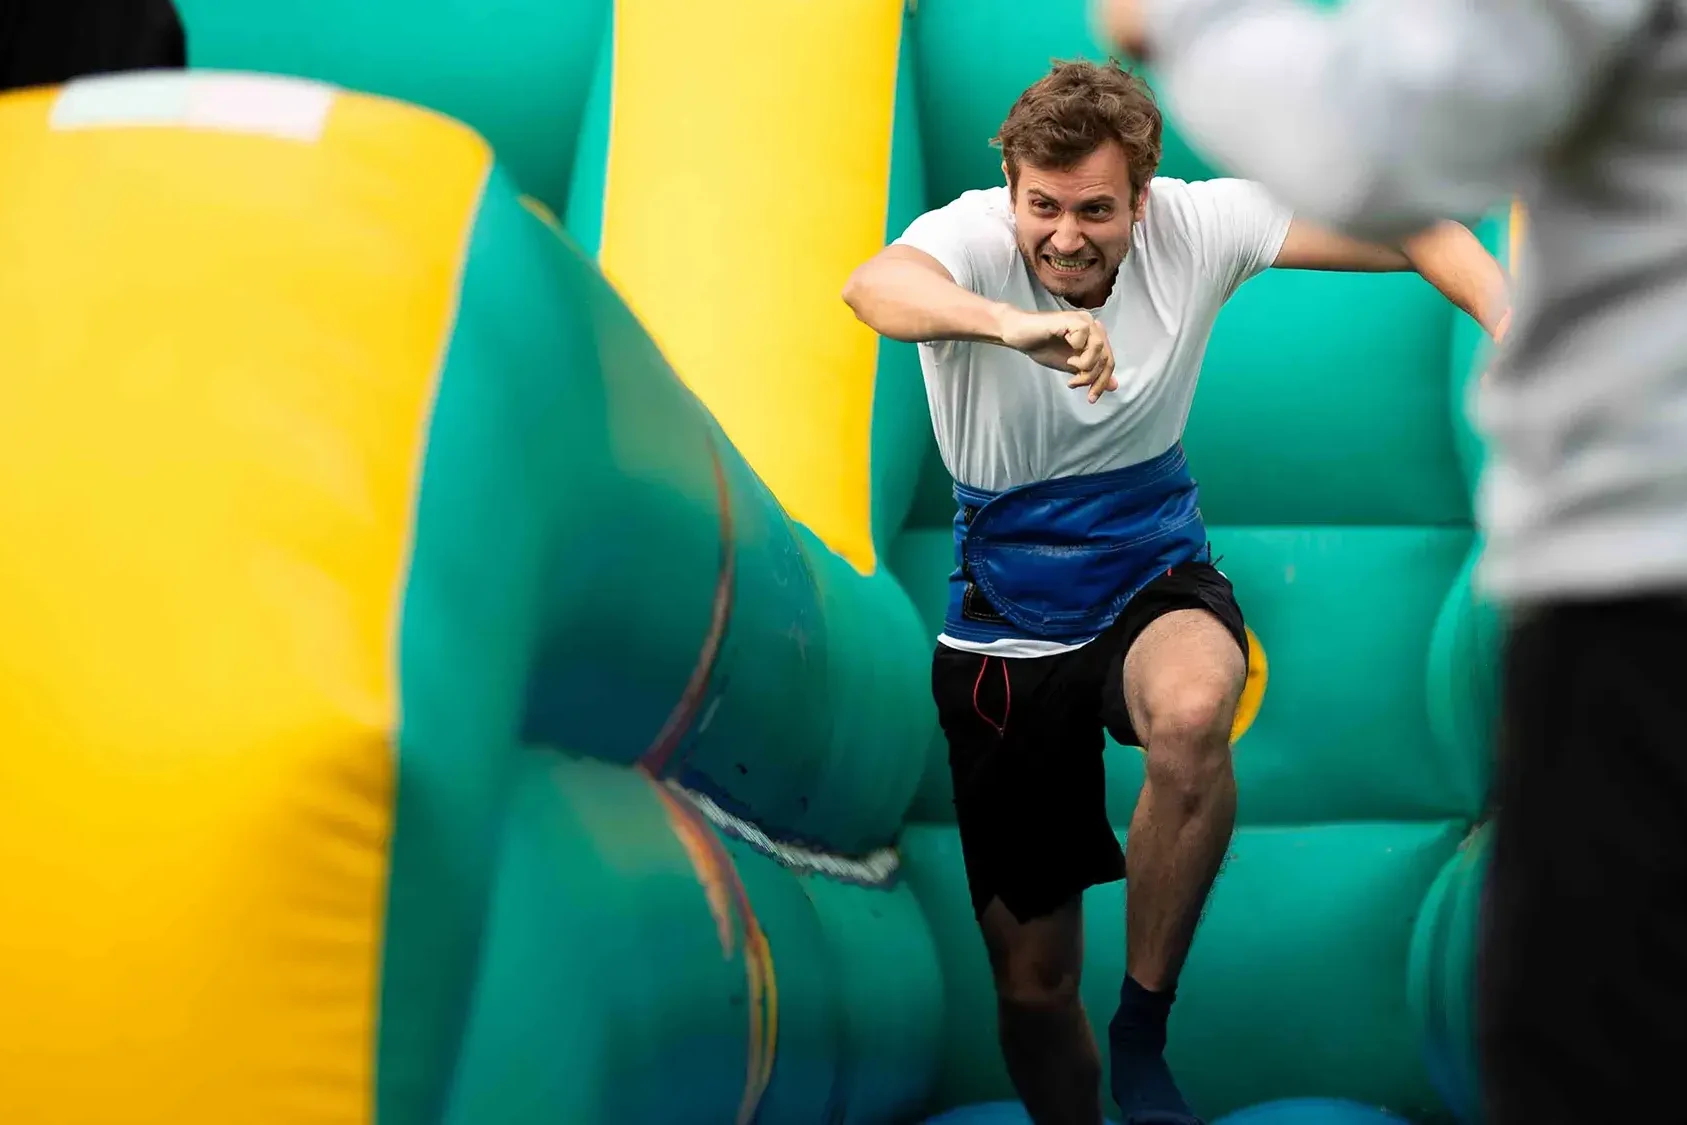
pixel 856 289
pixel 852 290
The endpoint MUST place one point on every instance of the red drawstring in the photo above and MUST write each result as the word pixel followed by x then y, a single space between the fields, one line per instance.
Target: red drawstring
pixel 1001 728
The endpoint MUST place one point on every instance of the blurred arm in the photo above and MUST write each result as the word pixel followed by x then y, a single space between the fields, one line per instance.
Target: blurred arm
pixel 1385 116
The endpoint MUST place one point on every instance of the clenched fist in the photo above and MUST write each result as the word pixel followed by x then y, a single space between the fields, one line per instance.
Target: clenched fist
pixel 1066 341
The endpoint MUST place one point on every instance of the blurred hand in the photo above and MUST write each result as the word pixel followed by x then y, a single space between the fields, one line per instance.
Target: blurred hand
pixel 1126 26
pixel 1071 342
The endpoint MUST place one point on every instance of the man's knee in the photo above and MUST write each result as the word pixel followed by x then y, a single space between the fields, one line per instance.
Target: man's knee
pixel 1183 678
pixel 1036 965
pixel 1191 714
pixel 1188 738
pixel 1037 983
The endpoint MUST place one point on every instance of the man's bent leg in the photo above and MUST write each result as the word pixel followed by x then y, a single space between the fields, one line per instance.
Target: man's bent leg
pixel 1183 679
pixel 1183 676
pixel 1047 1044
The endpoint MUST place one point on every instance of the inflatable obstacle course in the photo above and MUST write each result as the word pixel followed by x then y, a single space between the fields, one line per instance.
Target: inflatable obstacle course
pixel 469 625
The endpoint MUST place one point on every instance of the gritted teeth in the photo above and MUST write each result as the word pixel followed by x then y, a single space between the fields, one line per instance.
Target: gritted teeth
pixel 1069 265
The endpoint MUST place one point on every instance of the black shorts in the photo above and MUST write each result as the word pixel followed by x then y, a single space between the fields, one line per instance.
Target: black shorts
pixel 1582 974
pixel 1025 745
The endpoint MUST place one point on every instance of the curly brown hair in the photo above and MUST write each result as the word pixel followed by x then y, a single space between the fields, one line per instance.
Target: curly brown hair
pixel 1074 109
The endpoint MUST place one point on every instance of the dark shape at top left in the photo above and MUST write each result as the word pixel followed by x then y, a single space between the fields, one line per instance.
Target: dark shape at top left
pixel 51 42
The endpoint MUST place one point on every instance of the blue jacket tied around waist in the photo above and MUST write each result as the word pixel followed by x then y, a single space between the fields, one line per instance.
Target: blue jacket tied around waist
pixel 1058 559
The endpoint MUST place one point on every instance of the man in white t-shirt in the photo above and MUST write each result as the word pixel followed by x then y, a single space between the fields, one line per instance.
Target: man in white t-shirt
pixel 1062 322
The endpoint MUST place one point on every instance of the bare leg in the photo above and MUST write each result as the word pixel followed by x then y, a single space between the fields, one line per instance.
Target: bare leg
pixel 1183 678
pixel 1047 1044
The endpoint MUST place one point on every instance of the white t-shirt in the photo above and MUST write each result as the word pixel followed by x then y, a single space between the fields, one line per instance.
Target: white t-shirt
pixel 1002 419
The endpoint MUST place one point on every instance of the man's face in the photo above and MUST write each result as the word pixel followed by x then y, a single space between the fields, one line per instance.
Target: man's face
pixel 1074 224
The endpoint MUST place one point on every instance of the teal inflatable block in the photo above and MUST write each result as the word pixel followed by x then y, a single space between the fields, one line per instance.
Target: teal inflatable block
pixel 677 524
pixel 485 530
pixel 1345 616
pixel 883 971
pixel 989 1113
pixel 434 53
pixel 1463 684
pixel 933 505
pixel 805 1076
pixel 878 706
pixel 976 57
pixel 1312 1111
pixel 1323 401
pixel 603 963
pixel 921 560
pixel 1308 935
pixel 746 646
pixel 1296 984
pixel 901 423
pixel 1442 980
pixel 640 969
pixel 584 216
pixel 857 995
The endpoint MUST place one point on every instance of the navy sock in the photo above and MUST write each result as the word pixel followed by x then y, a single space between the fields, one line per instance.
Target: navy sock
pixel 1136 1039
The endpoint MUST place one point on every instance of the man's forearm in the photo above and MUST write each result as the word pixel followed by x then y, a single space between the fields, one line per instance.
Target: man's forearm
pixel 907 301
pixel 1455 262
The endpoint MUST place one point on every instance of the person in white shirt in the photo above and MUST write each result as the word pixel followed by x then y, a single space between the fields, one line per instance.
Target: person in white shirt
pixel 1371 118
pixel 1062 320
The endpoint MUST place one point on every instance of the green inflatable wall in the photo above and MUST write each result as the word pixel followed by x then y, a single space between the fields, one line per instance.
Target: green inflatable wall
pixel 729 882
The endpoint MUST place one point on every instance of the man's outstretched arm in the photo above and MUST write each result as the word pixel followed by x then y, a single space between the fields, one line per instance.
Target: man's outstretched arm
pixel 1446 254
pixel 1382 117
pixel 906 294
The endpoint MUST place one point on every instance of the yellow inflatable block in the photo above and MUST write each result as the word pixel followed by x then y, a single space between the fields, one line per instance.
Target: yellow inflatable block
pixel 220 322
pixel 731 225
